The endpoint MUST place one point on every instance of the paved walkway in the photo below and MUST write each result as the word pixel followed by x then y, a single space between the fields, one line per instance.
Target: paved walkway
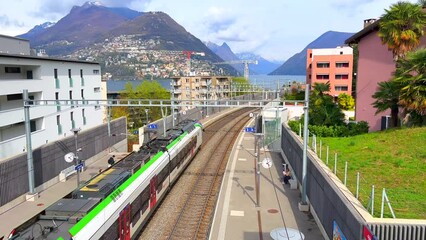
pixel 238 216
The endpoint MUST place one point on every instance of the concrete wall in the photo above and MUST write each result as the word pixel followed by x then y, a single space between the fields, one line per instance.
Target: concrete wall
pixel 326 200
pixel 49 159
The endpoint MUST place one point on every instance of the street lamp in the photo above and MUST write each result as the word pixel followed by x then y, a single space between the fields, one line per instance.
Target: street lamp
pixel 77 162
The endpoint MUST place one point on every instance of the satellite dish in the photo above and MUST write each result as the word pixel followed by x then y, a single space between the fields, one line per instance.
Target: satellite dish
pixel 69 157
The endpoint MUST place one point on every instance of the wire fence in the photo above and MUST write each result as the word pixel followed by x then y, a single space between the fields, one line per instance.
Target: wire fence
pixel 377 200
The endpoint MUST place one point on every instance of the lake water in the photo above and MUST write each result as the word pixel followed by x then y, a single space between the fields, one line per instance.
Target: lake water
pixel 265 81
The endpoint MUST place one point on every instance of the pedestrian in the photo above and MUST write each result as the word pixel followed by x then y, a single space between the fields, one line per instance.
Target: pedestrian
pixel 286 176
pixel 111 161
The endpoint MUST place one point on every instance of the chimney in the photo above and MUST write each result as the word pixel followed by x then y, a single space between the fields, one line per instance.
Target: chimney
pixel 368 22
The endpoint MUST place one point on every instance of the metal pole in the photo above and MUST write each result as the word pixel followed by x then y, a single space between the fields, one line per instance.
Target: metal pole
pixel 305 145
pixel 164 115
pixel 300 130
pixel 109 121
pixel 335 163
pixel 320 152
pixel 372 200
pixel 30 161
pixel 327 155
pixel 383 204
pixel 258 172
pixel 76 157
pixel 346 172
pixel 357 185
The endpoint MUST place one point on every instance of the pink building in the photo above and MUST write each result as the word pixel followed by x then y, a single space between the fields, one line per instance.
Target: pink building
pixel 375 64
pixel 332 65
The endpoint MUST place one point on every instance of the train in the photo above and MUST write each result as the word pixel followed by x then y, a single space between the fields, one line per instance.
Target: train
pixel 116 203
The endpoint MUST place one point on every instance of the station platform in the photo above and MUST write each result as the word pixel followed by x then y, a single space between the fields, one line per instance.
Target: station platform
pixel 238 214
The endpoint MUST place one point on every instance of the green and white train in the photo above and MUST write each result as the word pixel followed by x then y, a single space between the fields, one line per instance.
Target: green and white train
pixel 116 203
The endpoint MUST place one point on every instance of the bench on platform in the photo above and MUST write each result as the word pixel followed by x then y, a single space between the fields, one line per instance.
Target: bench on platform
pixel 64 174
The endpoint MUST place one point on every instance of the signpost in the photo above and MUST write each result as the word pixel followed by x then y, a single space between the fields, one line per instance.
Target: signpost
pixel 152 126
pixel 78 167
pixel 250 129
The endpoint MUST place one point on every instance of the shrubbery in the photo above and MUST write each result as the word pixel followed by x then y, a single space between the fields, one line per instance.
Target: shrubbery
pixel 350 129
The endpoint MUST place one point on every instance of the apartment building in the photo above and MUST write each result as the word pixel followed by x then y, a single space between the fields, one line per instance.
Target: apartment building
pixel 332 65
pixel 45 79
pixel 199 88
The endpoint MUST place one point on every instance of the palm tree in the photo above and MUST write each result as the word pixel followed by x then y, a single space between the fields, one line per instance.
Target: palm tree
pixel 401 27
pixel 387 97
pixel 411 76
pixel 321 88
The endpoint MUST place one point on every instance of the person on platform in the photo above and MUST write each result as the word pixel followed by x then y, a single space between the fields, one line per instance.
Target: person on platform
pixel 286 176
pixel 111 161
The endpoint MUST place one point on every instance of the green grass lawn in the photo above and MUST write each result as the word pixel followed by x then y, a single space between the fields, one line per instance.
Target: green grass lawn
pixel 393 159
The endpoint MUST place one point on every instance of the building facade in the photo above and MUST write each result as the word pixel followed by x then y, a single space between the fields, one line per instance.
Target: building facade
pixel 375 64
pixel 199 88
pixel 45 79
pixel 332 65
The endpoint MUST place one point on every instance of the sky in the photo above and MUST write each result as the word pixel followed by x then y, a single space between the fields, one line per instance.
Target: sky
pixel 273 29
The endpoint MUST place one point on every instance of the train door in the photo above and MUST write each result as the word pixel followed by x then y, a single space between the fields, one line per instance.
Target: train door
pixel 153 192
pixel 124 221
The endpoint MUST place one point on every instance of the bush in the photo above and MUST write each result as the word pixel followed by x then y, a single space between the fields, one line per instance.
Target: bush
pixel 294 126
pixel 350 129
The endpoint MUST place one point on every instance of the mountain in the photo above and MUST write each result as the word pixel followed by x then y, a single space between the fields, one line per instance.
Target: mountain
pixel 296 65
pixel 263 66
pixel 37 30
pixel 81 27
pixel 128 44
pixel 225 52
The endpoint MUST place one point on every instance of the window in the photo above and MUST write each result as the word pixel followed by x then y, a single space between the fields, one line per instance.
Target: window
pixel 342 76
pixel 69 73
pixel 55 72
pixel 13 97
pixel 323 76
pixel 341 88
pixel 96 89
pixel 342 64
pixel 81 72
pixel 70 95
pixel 341 53
pixel 95 71
pixel 58 106
pixel 323 64
pixel 12 69
pixel 310 76
pixel 310 55
pixel 82 93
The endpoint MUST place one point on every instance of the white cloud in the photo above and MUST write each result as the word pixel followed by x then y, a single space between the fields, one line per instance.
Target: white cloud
pixel 275 29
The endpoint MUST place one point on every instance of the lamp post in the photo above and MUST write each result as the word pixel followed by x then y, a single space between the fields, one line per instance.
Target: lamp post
pixel 77 162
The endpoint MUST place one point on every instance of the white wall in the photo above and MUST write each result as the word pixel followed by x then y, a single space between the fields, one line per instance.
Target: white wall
pixel 44 88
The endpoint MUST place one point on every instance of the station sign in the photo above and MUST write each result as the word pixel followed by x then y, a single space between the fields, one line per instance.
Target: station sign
pixel 152 126
pixel 79 166
pixel 250 129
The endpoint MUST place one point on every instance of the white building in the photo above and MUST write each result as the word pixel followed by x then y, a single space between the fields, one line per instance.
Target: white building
pixel 45 79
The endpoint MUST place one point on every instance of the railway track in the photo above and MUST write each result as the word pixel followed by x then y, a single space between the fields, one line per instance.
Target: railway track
pixel 187 211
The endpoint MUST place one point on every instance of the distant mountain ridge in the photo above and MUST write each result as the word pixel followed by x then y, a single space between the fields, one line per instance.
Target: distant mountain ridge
pixel 296 65
pixel 225 52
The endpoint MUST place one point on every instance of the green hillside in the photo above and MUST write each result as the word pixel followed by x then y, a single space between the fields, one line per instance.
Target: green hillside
pixel 393 159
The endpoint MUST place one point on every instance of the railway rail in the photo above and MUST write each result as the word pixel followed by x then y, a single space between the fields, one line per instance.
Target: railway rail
pixel 187 211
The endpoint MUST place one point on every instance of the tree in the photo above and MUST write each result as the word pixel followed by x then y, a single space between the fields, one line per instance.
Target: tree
pixel 146 90
pixel 411 76
pixel 241 85
pixel 322 109
pixel 346 102
pixel 401 27
pixel 387 97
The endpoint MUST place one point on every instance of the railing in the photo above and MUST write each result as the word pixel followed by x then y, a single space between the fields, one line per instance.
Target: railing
pixel 391 231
